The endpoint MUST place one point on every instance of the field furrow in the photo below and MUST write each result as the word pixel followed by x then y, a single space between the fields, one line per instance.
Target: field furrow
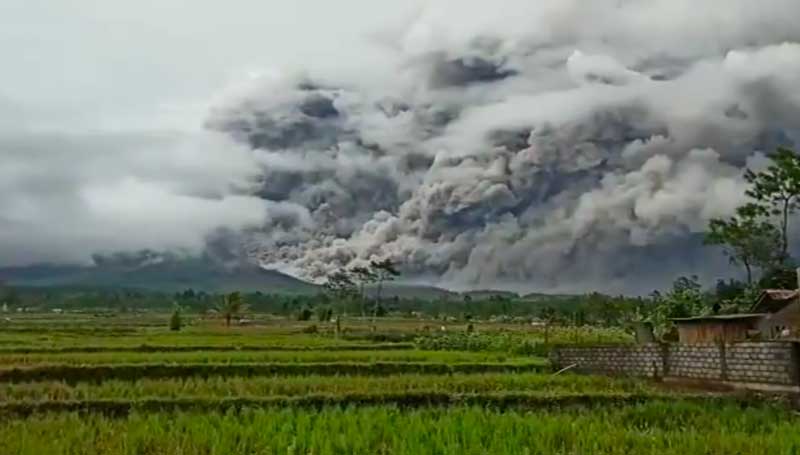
pixel 227 387
pixel 116 407
pixel 254 356
pixel 130 372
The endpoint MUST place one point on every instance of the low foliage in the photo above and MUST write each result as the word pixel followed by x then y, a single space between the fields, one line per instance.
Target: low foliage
pixel 225 387
pixel 135 387
pixel 130 372
pixel 528 343
pixel 666 428
pixel 206 348
pixel 245 356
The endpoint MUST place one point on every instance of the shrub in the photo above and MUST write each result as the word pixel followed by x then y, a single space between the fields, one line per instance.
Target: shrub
pixel 175 322
pixel 324 314
pixel 304 314
pixel 471 341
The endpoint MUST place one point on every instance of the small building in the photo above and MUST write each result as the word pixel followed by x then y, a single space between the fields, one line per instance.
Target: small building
pixel 775 314
pixel 717 328
pixel 781 308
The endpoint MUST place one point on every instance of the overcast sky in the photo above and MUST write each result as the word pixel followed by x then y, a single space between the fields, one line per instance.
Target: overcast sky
pixel 99 64
pixel 102 106
pixel 535 145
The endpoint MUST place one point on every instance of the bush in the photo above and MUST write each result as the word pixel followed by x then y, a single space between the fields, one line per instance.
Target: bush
pixel 471 341
pixel 381 337
pixel 305 314
pixel 175 322
pixel 324 314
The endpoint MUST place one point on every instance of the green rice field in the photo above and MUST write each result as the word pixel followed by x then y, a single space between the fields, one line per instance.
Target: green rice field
pixel 128 385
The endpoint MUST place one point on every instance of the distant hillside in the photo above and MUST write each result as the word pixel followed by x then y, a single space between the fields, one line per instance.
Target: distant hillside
pixel 166 275
pixel 537 296
pixel 171 274
pixel 486 294
pixel 411 291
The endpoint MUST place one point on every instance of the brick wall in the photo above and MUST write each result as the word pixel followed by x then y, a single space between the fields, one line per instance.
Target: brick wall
pixel 694 361
pixel 774 363
pixel 632 360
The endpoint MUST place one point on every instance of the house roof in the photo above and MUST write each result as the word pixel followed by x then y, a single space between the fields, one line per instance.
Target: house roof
pixel 772 300
pixel 721 317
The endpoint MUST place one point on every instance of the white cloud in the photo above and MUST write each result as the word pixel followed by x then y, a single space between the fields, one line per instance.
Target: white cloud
pixel 65 197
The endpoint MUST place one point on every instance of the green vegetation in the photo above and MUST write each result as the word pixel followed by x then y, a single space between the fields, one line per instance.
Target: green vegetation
pixel 530 342
pixel 230 306
pixel 74 373
pixel 243 356
pixel 175 321
pixel 669 428
pixel 757 236
pixel 117 383
pixel 227 387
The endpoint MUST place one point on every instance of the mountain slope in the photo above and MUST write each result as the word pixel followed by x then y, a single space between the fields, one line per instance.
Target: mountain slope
pixel 173 274
pixel 168 275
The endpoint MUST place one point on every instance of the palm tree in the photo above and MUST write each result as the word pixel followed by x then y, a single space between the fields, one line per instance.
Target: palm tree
pixel 365 276
pixel 383 271
pixel 231 305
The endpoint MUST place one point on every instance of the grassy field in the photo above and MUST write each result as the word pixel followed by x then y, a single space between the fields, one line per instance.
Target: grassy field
pixel 652 428
pixel 220 387
pixel 243 356
pixel 83 384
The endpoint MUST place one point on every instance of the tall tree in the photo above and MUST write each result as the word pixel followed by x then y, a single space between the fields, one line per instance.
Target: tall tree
pixel 364 276
pixel 776 190
pixel 747 238
pixel 384 271
pixel 340 286
pixel 231 305
pixel 685 299
pixel 547 314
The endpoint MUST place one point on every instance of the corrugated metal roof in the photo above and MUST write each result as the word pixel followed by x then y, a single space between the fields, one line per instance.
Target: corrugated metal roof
pixel 773 300
pixel 782 294
pixel 721 317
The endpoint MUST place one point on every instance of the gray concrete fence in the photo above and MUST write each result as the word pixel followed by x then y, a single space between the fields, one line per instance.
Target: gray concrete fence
pixel 754 365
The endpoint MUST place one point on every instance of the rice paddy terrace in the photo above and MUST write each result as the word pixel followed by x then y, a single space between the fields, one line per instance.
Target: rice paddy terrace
pixel 84 384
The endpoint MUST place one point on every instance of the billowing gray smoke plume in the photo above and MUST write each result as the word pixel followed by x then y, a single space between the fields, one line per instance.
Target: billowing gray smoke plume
pixel 557 144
